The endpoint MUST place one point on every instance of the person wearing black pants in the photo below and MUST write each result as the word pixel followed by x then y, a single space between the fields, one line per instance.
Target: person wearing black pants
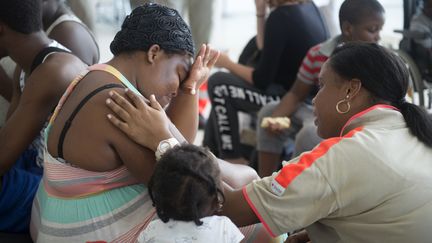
pixel 282 40
pixel 230 94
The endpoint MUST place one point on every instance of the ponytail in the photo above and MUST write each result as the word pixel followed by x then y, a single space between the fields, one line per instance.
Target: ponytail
pixel 418 121
pixel 386 78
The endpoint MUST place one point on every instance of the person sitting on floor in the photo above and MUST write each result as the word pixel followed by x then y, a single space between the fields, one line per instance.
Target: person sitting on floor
pixel 283 37
pixel 360 20
pixel 47 69
pixel 63 26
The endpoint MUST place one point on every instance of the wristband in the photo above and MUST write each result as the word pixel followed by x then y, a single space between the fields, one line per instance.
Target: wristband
pixel 164 146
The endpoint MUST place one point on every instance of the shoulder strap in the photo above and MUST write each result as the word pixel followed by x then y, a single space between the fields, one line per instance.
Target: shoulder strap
pixel 117 74
pixel 68 122
pixel 42 54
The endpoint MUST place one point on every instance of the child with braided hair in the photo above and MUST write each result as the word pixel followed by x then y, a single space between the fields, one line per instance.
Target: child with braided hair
pixel 186 190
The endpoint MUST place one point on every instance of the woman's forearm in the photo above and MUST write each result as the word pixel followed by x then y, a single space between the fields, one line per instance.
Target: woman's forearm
pixel 242 71
pixel 183 112
pixel 261 19
pixel 261 14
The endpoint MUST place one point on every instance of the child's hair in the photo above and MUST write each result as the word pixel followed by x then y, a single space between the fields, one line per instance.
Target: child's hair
pixel 354 11
pixel 186 184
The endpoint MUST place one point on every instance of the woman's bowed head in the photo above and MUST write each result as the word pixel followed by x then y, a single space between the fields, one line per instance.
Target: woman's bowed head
pixel 167 43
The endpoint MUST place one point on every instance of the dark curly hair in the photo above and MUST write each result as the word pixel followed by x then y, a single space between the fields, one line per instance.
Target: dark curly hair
pixel 24 16
pixel 186 184
pixel 152 24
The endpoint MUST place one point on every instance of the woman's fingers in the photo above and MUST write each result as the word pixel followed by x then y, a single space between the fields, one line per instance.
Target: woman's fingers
pixel 202 50
pixel 154 103
pixel 116 122
pixel 118 110
pixel 138 101
pixel 214 58
pixel 122 102
pixel 207 55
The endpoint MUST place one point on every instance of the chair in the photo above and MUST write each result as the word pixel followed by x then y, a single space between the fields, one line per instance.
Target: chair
pixel 417 58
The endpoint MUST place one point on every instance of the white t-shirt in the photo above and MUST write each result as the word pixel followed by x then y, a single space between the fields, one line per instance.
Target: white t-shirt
pixel 214 229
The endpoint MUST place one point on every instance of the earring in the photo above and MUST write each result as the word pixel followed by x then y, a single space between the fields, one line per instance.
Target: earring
pixel 342 102
pixel 219 207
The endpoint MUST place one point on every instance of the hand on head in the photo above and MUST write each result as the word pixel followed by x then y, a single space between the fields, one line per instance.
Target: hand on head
pixel 138 120
pixel 201 68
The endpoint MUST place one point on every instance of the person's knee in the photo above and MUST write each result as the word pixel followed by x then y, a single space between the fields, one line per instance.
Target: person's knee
pixel 307 138
pixel 217 84
pixel 266 110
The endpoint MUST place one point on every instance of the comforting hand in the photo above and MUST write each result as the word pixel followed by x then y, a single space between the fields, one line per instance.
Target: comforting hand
pixel 146 125
pixel 201 68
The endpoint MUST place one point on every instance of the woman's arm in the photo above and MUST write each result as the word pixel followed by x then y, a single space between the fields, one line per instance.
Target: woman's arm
pixel 238 69
pixel 183 109
pixel 237 209
pixel 158 127
pixel 261 14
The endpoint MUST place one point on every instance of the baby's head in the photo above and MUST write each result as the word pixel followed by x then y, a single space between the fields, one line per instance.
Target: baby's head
pixel 186 184
pixel 361 20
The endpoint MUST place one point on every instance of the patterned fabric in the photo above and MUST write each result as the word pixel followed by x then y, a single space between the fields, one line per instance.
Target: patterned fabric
pixel 152 24
pixel 314 59
pixel 77 205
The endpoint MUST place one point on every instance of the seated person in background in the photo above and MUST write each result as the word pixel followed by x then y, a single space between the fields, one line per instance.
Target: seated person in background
pixel 368 181
pixel 47 71
pixel 422 23
pixel 88 162
pixel 63 26
pixel 283 38
pixel 360 20
pixel 187 191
